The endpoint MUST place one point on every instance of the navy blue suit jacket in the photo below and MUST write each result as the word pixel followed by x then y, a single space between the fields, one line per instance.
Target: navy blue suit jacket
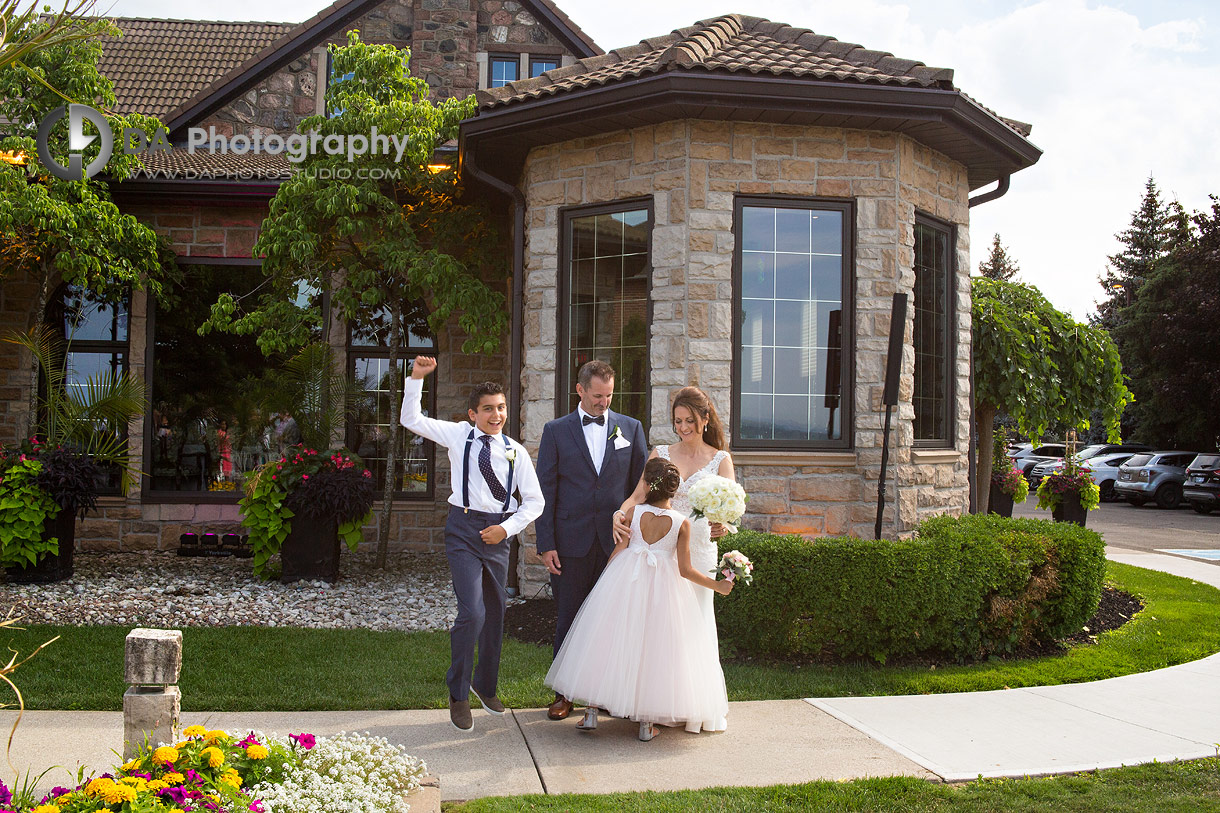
pixel 580 503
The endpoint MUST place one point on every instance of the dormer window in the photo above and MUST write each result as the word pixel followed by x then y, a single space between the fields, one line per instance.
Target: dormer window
pixel 502 69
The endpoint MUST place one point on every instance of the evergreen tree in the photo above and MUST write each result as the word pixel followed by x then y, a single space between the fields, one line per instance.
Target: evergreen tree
pixel 1156 229
pixel 999 264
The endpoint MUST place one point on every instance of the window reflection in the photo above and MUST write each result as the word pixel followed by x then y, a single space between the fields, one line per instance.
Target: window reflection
pixel 931 336
pixel 608 278
pixel 791 299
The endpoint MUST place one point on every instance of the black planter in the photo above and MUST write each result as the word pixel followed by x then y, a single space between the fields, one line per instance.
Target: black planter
pixel 999 502
pixel 1070 510
pixel 311 551
pixel 50 568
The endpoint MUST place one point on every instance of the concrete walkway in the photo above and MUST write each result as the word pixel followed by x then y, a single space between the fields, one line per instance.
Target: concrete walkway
pixel 1168 714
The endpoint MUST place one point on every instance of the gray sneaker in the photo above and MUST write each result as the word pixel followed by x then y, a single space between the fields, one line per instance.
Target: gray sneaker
pixel 459 715
pixel 491 704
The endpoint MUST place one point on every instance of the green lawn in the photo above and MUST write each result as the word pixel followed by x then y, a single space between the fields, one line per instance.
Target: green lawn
pixel 1181 787
pixel 285 669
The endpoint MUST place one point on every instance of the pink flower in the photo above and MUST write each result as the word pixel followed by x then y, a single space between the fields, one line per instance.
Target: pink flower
pixel 304 476
pixel 273 477
pixel 304 740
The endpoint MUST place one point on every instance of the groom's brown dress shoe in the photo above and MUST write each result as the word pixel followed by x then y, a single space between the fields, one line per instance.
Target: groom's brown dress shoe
pixel 459 715
pixel 560 709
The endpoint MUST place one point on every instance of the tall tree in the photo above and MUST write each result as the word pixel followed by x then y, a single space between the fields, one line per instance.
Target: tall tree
pixel 999 264
pixel 1039 366
pixel 375 230
pixel 56 230
pixel 1169 337
pixel 1156 228
pixel 20 37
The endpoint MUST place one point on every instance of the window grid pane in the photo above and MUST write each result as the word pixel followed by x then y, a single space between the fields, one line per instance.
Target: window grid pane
pixel 791 315
pixel 931 334
pixel 370 431
pixel 502 70
pixel 608 303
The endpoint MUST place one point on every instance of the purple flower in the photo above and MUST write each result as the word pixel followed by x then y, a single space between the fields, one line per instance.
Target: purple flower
pixel 249 740
pixel 256 806
pixel 193 776
pixel 306 741
pixel 6 795
pixel 175 795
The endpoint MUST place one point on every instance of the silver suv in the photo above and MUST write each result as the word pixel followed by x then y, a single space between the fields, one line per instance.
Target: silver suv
pixel 1153 476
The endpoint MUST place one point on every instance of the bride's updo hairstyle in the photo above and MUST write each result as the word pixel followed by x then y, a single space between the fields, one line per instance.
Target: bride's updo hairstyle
pixel 698 403
pixel 662 479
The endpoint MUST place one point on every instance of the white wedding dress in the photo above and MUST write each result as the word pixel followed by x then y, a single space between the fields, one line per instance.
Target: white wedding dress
pixel 704 556
pixel 638 646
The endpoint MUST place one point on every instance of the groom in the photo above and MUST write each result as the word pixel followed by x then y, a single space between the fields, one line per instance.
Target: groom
pixel 589 461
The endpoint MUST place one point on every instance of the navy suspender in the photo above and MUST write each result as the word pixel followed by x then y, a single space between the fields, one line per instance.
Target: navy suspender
pixel 466 471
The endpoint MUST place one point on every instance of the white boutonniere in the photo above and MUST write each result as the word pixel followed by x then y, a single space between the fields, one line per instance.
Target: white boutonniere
pixel 620 442
pixel 510 454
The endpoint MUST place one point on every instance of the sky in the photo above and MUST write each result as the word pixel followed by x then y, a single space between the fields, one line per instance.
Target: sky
pixel 1116 90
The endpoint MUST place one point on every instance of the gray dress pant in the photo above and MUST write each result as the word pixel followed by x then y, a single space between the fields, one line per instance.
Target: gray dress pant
pixel 480 573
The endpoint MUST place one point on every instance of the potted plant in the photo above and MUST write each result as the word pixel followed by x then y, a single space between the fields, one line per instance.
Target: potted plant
pixel 330 494
pixel 1069 493
pixel 53 477
pixel 1008 485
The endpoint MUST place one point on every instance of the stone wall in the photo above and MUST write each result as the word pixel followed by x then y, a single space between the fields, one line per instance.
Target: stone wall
pixel 693 170
pixel 505 26
pixel 277 104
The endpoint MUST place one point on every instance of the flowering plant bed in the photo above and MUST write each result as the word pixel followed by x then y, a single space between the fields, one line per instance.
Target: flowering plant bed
pixel 1012 483
pixel 1075 482
pixel 231 773
pixel 323 487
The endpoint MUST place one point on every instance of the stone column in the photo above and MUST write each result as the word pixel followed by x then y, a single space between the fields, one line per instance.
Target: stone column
pixel 152 702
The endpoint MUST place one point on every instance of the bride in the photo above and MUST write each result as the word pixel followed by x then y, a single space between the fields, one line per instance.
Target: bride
pixel 699 453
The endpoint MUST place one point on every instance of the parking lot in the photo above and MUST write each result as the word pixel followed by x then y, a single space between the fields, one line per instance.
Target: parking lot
pixel 1146 528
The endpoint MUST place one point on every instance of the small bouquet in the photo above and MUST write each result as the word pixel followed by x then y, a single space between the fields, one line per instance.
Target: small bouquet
pixel 718 499
pixel 735 566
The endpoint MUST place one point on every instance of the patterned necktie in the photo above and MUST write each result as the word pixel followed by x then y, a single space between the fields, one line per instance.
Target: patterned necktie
pixel 600 420
pixel 489 476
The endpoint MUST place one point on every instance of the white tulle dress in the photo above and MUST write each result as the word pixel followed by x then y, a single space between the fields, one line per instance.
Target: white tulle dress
pixel 638 647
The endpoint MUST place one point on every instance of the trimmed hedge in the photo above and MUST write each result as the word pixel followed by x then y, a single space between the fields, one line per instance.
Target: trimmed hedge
pixel 967 587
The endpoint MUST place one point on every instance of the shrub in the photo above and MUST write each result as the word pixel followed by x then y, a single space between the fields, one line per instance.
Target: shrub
pixel 965 587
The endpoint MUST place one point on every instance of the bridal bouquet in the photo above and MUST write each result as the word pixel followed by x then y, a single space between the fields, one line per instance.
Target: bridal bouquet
pixel 718 499
pixel 736 567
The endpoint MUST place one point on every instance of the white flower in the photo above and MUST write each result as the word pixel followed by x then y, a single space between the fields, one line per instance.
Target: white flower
pixel 718 499
pixel 510 454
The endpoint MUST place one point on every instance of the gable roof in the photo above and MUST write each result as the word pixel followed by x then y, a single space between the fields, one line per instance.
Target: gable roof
pixel 734 43
pixel 743 68
pixel 327 24
pixel 159 64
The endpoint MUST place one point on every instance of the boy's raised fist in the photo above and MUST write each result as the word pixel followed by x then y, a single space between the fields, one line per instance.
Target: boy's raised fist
pixel 423 365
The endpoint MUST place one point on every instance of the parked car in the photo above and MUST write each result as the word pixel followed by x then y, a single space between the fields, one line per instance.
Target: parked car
pixel 1029 455
pixel 1086 454
pixel 1202 486
pixel 1154 476
pixel 1104 468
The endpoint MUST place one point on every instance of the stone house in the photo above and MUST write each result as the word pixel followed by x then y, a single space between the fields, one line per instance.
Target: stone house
pixel 731 205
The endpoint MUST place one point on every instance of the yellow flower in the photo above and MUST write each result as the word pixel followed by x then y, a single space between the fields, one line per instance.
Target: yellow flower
pixel 217 735
pixel 213 755
pixel 182 744
pixel 257 751
pixel 99 786
pixel 232 780
pixel 165 755
pixel 131 765
pixel 173 778
pixel 137 782
pixel 117 794
pixel 194 731
pixel 157 784
pixel 46 809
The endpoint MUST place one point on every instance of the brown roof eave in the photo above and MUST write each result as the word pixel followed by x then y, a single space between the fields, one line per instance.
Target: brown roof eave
pixel 517 127
pixel 249 193
pixel 305 36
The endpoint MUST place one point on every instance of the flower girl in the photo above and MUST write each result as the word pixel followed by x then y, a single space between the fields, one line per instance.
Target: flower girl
pixel 637 648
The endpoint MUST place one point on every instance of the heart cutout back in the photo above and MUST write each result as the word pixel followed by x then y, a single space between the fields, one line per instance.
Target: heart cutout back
pixel 650 523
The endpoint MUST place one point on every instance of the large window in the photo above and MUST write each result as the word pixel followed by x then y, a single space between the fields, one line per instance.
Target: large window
pixel 793 266
pixel 604 301
pixel 210 424
pixel 933 394
pixel 541 64
pixel 96 334
pixel 368 433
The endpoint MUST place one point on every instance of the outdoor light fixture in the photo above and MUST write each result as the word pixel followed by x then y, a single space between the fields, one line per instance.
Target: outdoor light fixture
pixel 16 158
pixel 438 167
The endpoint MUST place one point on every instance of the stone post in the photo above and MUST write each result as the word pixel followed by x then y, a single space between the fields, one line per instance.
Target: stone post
pixel 152 702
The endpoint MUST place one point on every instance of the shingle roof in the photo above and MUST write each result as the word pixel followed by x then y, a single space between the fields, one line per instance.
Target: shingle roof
pixel 157 65
pixel 181 163
pixel 732 43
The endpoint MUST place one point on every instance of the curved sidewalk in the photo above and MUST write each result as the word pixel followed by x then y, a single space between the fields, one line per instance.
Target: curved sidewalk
pixel 1168 714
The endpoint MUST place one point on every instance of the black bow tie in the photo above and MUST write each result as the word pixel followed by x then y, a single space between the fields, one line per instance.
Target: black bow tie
pixel 585 420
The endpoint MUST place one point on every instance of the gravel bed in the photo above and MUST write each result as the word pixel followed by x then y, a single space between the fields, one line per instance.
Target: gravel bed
pixel 162 589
